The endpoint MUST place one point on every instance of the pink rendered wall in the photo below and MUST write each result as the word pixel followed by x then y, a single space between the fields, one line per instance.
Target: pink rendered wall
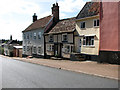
pixel 109 26
pixel 119 27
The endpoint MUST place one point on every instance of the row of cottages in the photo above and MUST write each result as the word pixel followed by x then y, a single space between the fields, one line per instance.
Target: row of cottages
pixel 85 36
pixel 9 48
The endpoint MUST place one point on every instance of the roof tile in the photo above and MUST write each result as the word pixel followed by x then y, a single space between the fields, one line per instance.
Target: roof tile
pixel 65 25
pixel 38 24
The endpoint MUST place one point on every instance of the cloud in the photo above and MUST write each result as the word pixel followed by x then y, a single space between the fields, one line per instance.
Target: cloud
pixel 16 15
pixel 71 5
pixel 18 6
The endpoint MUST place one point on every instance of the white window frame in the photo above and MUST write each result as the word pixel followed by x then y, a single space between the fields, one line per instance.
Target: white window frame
pixel 66 50
pixel 28 48
pixel 39 49
pixel 34 50
pixel 63 37
pixel 39 35
pixel 96 23
pixel 24 48
pixel 51 39
pixel 81 23
pixel 90 39
pixel 28 36
pixel 35 36
pixel 51 47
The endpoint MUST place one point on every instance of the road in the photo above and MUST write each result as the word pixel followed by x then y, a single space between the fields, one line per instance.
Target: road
pixel 18 74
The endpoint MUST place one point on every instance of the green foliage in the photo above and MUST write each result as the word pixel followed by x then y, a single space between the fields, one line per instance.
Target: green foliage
pixel 2 51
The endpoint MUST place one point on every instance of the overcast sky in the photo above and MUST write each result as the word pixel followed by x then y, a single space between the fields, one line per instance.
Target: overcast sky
pixel 16 15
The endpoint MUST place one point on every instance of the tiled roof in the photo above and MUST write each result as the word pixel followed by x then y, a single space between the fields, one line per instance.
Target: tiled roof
pixel 38 24
pixel 89 9
pixel 65 25
pixel 12 42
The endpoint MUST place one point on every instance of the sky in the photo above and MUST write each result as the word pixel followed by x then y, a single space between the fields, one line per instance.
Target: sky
pixel 16 15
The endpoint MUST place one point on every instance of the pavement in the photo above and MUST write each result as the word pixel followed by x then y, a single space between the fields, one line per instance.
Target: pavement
pixel 104 70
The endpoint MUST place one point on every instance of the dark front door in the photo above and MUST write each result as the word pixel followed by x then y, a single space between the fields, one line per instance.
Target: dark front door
pixel 57 50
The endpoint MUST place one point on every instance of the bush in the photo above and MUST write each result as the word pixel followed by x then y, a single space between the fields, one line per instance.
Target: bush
pixel 2 51
pixel 11 54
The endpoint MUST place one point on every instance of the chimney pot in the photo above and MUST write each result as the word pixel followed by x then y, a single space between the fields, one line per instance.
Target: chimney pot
pixel 55 12
pixel 34 17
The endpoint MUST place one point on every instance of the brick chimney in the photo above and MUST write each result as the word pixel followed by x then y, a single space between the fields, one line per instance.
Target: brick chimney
pixel 55 12
pixel 34 17
pixel 10 37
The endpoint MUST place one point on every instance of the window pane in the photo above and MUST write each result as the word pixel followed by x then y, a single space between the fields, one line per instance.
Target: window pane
pixel 87 41
pixel 94 22
pixel 64 37
pixel 84 41
pixel 92 40
pixel 97 22
pixel 51 38
pixel 83 24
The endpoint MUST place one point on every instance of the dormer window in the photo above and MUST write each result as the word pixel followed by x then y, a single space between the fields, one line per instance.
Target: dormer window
pixel 64 37
pixel 51 38
pixel 82 25
pixel 96 23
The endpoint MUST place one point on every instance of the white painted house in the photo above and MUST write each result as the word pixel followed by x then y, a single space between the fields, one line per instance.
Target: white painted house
pixel 33 35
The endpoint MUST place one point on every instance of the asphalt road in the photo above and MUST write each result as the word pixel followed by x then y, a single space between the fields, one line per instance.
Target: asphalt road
pixel 18 74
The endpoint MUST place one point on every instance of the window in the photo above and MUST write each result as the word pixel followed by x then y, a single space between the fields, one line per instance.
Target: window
pixel 82 25
pixel 34 35
pixel 27 36
pixel 64 37
pixel 23 48
pixel 39 50
pixel 51 38
pixel 51 48
pixel 88 41
pixel 92 40
pixel 67 49
pixel 24 36
pixel 72 48
pixel 34 49
pixel 84 41
pixel 39 35
pixel 96 22
pixel 31 35
pixel 27 48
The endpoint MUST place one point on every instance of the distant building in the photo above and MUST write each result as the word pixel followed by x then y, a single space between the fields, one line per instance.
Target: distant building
pixel 8 47
pixel 17 51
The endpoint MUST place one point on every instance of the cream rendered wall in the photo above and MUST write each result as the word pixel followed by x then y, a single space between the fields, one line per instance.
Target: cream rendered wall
pixel 70 38
pixel 59 38
pixel 89 30
pixel 55 38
